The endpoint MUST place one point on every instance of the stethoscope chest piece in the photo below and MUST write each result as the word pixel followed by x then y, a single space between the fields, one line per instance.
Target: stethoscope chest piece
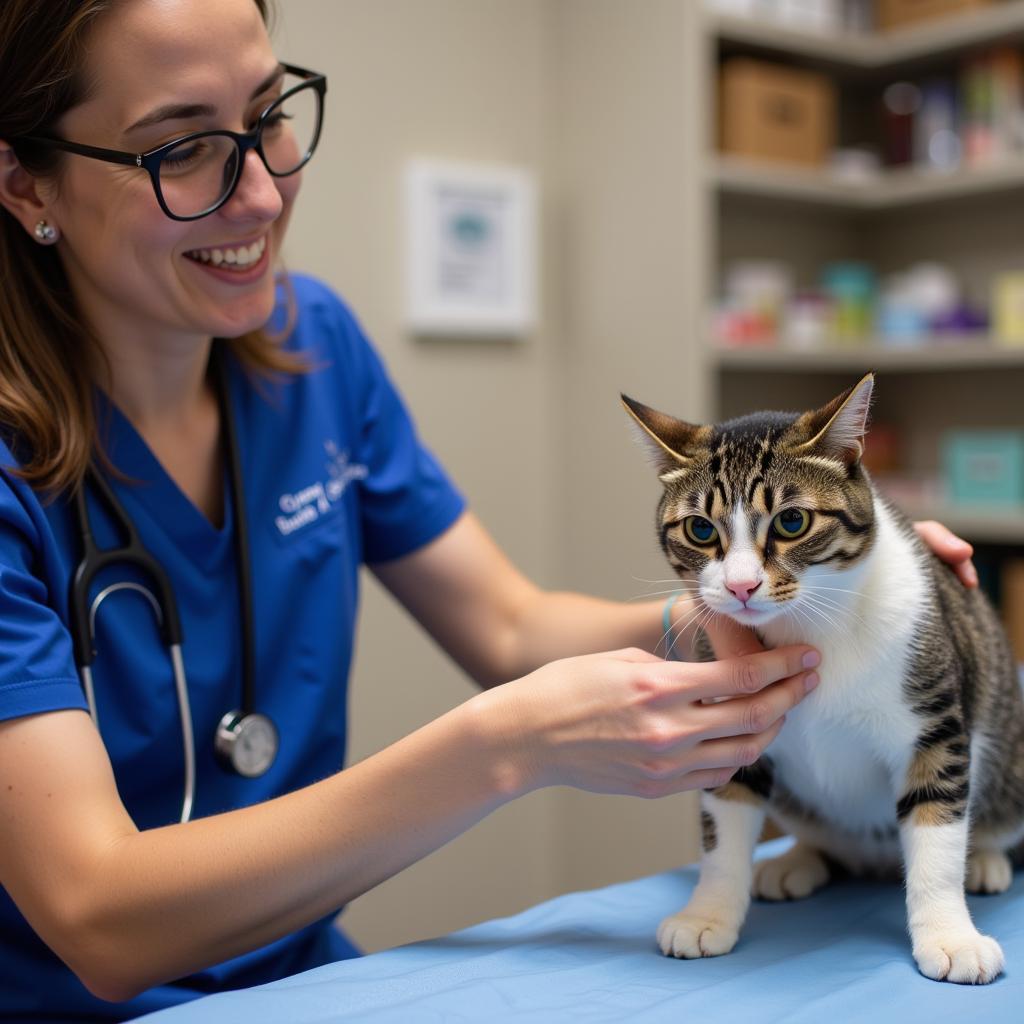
pixel 246 743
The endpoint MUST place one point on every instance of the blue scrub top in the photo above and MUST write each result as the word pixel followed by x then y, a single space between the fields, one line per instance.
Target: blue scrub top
pixel 334 476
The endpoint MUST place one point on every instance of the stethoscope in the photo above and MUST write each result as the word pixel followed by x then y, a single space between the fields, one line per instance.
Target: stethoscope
pixel 245 741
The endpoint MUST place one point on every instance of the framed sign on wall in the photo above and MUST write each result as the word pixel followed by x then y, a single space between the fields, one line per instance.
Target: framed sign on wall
pixel 471 250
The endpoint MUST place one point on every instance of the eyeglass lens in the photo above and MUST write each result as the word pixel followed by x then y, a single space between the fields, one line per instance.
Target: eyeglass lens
pixel 197 174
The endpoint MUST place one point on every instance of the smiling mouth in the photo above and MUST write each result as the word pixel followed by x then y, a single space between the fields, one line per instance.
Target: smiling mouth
pixel 239 257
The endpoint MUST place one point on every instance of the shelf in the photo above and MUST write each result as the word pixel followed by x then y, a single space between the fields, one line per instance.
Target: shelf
pixel 939 356
pixel 878 51
pixel 889 190
pixel 957 217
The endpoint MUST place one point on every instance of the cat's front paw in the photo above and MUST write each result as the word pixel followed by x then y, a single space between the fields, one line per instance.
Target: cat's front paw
pixel 966 957
pixel 691 936
pixel 796 874
pixel 988 871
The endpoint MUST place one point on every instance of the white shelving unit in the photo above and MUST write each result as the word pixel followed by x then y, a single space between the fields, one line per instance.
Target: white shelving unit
pixel 929 356
pixel 809 217
pixel 888 190
pixel 877 51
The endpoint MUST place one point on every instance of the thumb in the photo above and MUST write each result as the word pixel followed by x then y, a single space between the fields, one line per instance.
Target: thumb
pixel 729 639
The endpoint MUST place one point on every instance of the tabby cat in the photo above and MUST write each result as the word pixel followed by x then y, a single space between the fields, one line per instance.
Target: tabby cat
pixel 910 752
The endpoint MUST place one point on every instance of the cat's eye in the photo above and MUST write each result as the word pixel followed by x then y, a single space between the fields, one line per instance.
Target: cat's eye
pixel 792 523
pixel 699 530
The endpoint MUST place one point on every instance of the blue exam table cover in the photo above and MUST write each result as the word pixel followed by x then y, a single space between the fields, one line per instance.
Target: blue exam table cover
pixel 842 955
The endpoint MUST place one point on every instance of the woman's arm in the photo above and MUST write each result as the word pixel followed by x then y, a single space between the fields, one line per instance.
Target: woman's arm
pixel 127 909
pixel 495 622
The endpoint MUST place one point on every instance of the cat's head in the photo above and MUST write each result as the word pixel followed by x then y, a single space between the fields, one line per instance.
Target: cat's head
pixel 756 511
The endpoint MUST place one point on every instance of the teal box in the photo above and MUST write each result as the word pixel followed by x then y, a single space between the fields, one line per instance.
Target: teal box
pixel 985 467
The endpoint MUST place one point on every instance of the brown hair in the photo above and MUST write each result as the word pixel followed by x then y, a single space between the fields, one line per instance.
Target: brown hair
pixel 46 348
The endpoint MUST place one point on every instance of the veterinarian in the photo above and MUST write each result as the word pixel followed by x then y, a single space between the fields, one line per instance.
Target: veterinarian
pixel 198 455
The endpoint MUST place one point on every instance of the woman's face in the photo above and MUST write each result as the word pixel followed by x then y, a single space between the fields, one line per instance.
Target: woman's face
pixel 136 273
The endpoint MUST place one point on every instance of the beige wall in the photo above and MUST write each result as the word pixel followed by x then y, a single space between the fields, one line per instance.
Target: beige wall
pixel 531 430
pixel 624 214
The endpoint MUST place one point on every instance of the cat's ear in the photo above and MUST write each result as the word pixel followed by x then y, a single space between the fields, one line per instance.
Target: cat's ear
pixel 668 441
pixel 837 430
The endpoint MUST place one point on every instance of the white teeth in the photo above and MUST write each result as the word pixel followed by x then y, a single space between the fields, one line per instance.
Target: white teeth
pixel 243 256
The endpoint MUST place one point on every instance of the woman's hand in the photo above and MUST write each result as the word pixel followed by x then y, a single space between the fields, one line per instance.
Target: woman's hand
pixel 950 548
pixel 627 722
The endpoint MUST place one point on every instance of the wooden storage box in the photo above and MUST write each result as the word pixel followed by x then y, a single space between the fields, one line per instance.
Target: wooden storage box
pixel 1012 585
pixel 897 13
pixel 773 112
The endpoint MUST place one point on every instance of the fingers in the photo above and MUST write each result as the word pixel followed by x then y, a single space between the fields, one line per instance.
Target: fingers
pixel 735 752
pixel 729 639
pixel 706 766
pixel 954 551
pixel 739 676
pixel 750 716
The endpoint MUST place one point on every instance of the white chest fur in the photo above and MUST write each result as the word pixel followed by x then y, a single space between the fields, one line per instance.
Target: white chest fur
pixel 844 751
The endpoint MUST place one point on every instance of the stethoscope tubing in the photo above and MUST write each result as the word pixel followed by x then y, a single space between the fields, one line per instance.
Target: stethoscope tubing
pixel 180 687
pixel 94 560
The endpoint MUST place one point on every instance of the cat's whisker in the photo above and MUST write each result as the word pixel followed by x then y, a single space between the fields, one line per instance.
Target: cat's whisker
pixel 797 613
pixel 822 603
pixel 873 630
pixel 696 619
pixel 685 589
pixel 831 602
pixel 664 593
pixel 670 579
pixel 816 610
pixel 839 590
pixel 670 636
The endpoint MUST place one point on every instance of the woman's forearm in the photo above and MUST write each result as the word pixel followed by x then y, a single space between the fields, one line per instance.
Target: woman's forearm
pixel 559 625
pixel 170 901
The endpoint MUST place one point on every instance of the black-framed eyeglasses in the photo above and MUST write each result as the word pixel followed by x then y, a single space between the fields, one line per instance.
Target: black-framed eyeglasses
pixel 198 173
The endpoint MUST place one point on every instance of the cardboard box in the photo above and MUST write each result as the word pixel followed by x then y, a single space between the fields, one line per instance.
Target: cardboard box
pixel 899 13
pixel 774 112
pixel 1012 588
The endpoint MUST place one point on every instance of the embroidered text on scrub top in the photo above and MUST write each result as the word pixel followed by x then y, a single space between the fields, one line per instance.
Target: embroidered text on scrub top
pixel 307 505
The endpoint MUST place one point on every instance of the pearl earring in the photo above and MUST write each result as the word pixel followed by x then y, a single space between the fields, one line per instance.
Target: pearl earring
pixel 46 233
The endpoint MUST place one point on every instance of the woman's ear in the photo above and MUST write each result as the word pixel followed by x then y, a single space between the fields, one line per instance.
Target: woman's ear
pixel 20 193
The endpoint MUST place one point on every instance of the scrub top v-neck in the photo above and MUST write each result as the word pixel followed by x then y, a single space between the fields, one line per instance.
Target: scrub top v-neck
pixel 334 475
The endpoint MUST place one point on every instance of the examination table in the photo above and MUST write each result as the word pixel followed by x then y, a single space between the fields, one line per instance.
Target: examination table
pixel 842 955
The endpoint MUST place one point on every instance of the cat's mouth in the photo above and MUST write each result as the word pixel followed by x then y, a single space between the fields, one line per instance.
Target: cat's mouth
pixel 751 615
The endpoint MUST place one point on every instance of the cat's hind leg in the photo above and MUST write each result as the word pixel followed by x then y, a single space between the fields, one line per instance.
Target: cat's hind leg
pixel 709 925
pixel 988 870
pixel 793 875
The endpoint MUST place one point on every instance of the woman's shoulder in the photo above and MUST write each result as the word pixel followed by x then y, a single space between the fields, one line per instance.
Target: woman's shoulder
pixel 325 330
pixel 21 508
pixel 316 310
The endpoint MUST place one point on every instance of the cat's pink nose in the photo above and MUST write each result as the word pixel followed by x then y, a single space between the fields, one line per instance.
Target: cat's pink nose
pixel 744 589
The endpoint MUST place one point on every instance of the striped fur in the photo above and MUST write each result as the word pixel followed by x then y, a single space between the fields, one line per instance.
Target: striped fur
pixel 912 748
